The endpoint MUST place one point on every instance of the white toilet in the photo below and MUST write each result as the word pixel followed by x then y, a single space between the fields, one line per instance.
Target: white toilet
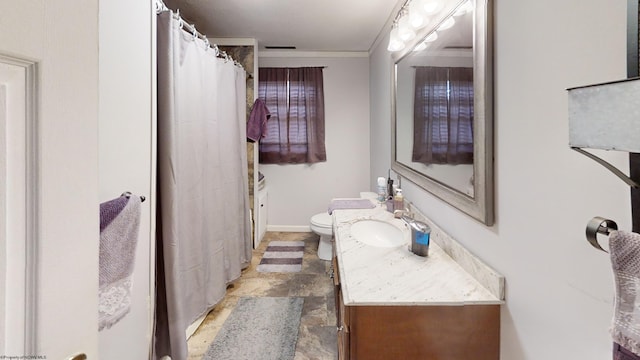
pixel 322 224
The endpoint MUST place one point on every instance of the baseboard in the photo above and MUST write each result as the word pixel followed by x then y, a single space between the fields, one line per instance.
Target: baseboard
pixel 289 228
pixel 194 326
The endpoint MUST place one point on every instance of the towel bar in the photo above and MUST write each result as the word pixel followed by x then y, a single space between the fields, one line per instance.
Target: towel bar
pixel 128 193
pixel 599 225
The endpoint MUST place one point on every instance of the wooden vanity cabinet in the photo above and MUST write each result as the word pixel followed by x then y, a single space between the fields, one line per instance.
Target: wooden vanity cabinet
pixel 342 315
pixel 439 332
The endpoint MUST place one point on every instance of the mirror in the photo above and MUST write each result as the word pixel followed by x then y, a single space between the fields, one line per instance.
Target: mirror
pixel 442 136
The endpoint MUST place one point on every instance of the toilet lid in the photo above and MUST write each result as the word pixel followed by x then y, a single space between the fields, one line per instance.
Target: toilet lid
pixel 322 220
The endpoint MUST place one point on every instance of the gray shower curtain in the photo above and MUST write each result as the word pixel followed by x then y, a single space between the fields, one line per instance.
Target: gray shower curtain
pixel 203 228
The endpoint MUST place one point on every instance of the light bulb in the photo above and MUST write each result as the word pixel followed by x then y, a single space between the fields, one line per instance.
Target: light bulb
pixel 431 6
pixel 432 37
pixel 395 44
pixel 405 31
pixel 446 24
pixel 417 18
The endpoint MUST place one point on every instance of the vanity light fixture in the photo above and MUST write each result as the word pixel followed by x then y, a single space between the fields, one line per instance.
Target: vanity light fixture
pixel 414 15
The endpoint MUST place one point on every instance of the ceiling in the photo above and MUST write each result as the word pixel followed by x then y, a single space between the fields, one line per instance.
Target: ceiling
pixel 309 25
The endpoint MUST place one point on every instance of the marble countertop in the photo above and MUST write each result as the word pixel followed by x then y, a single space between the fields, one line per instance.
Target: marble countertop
pixel 395 276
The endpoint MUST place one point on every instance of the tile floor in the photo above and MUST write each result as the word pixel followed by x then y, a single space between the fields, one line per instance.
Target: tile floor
pixel 317 338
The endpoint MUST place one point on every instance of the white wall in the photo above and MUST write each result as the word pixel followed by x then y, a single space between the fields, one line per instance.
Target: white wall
pixel 296 192
pixel 559 290
pixel 126 159
pixel 65 237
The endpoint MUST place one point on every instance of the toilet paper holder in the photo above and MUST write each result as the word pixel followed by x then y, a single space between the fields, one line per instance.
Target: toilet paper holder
pixel 599 225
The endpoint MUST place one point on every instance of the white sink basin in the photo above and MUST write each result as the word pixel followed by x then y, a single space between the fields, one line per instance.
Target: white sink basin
pixel 377 233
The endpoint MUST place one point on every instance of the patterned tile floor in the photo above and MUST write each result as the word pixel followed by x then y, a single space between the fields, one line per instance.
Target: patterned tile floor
pixel 317 337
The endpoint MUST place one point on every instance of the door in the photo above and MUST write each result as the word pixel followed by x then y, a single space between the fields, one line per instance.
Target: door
pixel 49 178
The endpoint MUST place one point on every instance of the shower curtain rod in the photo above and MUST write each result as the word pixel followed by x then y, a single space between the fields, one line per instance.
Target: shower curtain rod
pixel 191 28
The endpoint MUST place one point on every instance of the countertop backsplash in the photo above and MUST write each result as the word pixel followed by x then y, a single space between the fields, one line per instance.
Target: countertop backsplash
pixel 484 274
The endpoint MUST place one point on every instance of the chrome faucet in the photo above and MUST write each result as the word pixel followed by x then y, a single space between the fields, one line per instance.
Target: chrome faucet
pixel 405 214
pixel 407 217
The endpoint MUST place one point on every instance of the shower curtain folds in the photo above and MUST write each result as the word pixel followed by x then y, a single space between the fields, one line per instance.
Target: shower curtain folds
pixel 203 228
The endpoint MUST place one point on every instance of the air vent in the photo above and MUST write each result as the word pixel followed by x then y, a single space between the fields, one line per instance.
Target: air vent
pixel 280 47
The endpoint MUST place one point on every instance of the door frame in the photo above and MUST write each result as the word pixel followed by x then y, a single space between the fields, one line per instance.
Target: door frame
pixel 21 337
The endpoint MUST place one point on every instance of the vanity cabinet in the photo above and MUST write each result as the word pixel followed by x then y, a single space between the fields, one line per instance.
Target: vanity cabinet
pixel 433 332
pixel 392 304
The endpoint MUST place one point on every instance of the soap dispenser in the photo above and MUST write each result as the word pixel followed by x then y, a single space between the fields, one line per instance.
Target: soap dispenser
pixel 398 200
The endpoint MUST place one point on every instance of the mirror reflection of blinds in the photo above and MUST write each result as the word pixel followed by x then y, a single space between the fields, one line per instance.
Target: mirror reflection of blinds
pixel 443 115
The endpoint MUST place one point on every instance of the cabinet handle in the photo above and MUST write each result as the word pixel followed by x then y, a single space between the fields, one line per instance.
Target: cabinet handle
pixel 79 357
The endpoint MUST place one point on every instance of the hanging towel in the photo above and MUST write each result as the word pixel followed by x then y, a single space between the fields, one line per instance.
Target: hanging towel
pixel 624 248
pixel 350 204
pixel 257 124
pixel 620 353
pixel 119 225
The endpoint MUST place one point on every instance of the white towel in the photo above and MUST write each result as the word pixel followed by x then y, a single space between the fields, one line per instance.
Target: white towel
pixel 119 225
pixel 624 248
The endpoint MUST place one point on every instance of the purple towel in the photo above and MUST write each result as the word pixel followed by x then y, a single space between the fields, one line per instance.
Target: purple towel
pixel 257 124
pixel 620 353
pixel 350 204
pixel 119 226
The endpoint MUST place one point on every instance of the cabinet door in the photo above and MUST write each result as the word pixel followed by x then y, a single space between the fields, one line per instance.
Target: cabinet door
pixel 336 290
pixel 343 328
pixel 438 332
pixel 342 313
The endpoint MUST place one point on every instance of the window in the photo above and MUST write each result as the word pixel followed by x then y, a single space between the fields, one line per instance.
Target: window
pixel 295 131
pixel 443 115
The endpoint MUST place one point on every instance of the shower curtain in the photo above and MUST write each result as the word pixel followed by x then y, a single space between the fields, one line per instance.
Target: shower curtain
pixel 204 230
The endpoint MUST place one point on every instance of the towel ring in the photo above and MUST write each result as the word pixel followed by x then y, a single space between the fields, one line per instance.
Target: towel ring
pixel 599 225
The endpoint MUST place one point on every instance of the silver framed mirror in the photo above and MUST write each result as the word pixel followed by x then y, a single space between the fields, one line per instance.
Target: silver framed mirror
pixel 442 108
